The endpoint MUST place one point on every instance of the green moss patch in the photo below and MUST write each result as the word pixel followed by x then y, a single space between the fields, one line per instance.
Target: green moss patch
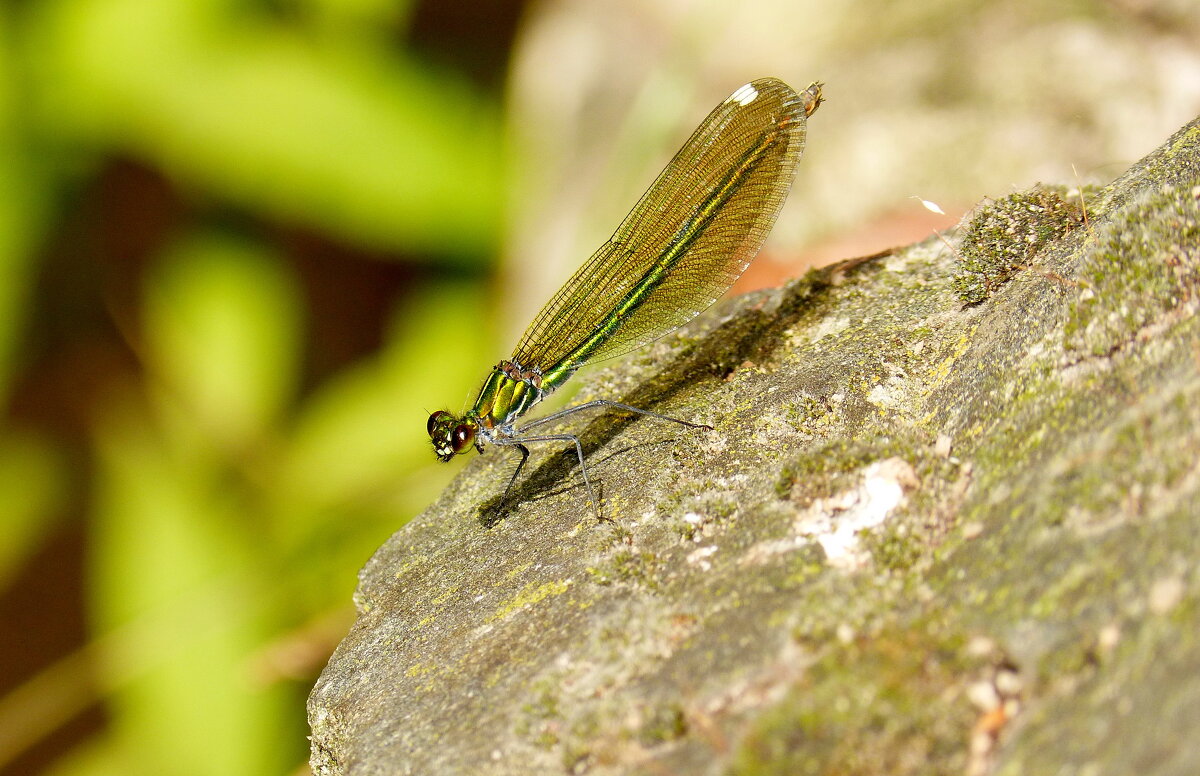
pixel 1004 236
pixel 1144 264
pixel 894 703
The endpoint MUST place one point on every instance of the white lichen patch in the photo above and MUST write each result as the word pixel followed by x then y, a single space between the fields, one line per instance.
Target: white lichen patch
pixel 772 428
pixel 699 557
pixel 827 327
pixel 708 443
pixel 893 394
pixel 835 522
pixel 884 396
pixel 763 551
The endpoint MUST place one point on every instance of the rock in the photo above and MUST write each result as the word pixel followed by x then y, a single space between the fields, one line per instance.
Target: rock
pixel 924 537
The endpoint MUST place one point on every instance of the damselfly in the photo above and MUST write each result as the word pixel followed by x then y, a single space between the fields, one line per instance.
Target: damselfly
pixel 685 242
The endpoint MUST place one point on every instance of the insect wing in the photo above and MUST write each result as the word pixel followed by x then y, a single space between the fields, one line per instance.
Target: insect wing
pixel 688 238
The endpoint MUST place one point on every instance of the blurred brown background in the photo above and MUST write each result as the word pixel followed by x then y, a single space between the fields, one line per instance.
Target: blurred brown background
pixel 246 246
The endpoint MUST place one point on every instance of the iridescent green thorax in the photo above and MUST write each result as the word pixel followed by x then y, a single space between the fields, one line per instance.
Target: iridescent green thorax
pixel 509 392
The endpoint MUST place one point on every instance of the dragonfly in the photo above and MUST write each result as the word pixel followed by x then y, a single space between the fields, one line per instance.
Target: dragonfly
pixel 685 242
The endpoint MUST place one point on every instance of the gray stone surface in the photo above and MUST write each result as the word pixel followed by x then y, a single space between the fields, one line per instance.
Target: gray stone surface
pixel 924 536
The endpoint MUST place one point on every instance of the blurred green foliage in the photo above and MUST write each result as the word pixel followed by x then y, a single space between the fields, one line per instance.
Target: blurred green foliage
pixel 323 124
pixel 225 488
pixel 243 252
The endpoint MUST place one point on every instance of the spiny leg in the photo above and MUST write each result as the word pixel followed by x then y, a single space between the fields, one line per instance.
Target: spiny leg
pixel 554 438
pixel 611 405
pixel 516 472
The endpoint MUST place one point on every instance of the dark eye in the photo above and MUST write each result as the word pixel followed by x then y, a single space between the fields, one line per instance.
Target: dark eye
pixel 462 438
pixel 434 419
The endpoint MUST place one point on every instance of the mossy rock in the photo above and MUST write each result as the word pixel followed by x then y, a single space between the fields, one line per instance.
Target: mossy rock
pixel 930 533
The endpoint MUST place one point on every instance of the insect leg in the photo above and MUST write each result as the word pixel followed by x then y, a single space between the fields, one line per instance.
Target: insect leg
pixel 524 457
pixel 578 452
pixel 611 405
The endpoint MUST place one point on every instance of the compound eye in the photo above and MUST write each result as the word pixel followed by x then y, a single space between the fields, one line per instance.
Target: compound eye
pixel 435 419
pixel 462 437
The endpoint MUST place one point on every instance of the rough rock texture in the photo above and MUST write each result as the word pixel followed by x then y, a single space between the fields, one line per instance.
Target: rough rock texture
pixel 924 537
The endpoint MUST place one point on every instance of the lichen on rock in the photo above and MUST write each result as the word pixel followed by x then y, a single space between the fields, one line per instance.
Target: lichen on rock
pixel 1144 263
pixel 1004 236
pixel 1010 488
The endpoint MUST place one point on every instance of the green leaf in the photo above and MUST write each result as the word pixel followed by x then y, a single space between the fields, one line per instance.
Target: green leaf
pixel 360 141
pixel 32 484
pixel 184 601
pixel 22 198
pixel 223 324
pixel 366 427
